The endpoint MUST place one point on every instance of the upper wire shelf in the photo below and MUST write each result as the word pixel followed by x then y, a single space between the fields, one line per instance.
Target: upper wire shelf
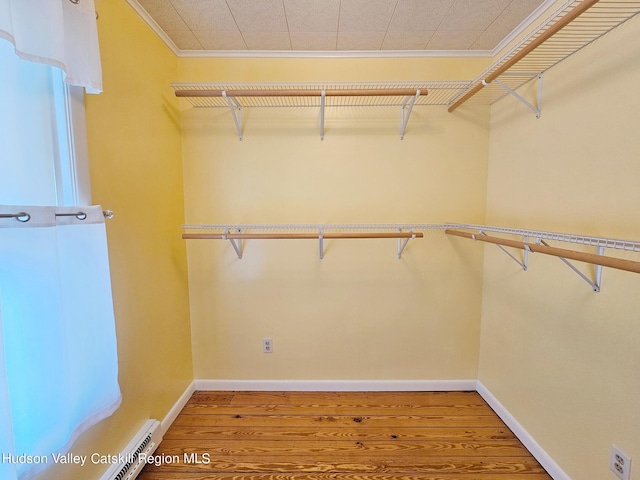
pixel 571 27
pixel 432 93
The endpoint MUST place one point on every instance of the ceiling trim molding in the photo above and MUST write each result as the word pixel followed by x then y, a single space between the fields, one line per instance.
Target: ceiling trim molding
pixel 154 26
pixel 332 54
pixel 526 23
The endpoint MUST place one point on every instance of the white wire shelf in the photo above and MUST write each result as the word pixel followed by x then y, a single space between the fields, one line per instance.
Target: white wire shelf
pixel 533 240
pixel 432 93
pixel 571 27
pixel 595 21
pixel 617 244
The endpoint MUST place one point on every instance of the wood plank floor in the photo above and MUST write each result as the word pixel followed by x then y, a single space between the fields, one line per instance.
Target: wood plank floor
pixel 342 435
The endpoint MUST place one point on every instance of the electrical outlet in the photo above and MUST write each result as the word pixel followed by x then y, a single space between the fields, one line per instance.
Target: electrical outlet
pixel 620 463
pixel 267 345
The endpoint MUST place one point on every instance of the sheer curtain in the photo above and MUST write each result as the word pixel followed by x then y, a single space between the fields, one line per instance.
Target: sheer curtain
pixel 58 333
pixel 61 33
pixel 58 355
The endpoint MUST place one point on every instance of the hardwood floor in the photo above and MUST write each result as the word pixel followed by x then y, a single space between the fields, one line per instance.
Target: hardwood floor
pixel 343 435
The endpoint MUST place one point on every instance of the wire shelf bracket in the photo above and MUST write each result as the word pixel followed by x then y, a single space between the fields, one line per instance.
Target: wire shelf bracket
pixel 536 109
pixel 236 112
pixel 525 261
pixel 236 243
pixel 405 112
pixel 594 284
pixel 402 243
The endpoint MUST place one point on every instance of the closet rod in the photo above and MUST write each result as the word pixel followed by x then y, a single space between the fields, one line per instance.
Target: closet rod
pixel 620 264
pixel 555 28
pixel 361 92
pixel 297 236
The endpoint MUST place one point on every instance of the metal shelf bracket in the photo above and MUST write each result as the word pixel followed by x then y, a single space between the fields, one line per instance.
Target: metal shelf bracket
pixel 321 243
pixel 524 263
pixel 536 109
pixel 236 111
pixel 236 243
pixel 402 243
pixel 405 112
pixel 595 285
pixel 323 95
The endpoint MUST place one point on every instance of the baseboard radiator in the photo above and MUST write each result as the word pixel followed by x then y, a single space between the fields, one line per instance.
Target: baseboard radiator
pixel 132 459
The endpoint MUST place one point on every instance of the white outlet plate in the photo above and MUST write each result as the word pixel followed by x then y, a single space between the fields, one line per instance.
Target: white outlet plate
pixel 620 463
pixel 267 345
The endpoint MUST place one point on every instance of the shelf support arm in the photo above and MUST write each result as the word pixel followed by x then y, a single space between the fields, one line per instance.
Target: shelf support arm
pixel 524 264
pixel 236 246
pixel 405 112
pixel 595 286
pixel 537 110
pixel 236 112
pixel 402 243
pixel 321 243
pixel 323 96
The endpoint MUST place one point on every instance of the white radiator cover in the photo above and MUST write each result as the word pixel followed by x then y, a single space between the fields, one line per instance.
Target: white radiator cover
pixel 128 464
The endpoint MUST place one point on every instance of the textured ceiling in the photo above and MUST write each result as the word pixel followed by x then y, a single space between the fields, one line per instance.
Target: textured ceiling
pixel 242 26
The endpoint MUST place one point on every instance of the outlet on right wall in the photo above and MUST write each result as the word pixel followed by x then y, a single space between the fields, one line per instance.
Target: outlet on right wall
pixel 561 358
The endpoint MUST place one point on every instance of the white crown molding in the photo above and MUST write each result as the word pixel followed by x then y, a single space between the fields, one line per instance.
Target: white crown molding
pixel 533 16
pixel 332 54
pixel 154 26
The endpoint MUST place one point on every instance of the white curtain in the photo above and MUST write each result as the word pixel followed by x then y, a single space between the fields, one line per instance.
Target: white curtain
pixel 61 33
pixel 57 335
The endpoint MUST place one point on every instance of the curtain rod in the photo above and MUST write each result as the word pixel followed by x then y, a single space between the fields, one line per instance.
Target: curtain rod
pixel 25 217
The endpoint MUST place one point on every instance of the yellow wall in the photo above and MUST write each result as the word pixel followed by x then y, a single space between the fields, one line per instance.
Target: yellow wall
pixel 561 358
pixel 136 170
pixel 360 313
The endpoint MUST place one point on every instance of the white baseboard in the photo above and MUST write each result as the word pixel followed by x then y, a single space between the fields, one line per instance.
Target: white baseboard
pixel 527 440
pixel 338 385
pixel 177 408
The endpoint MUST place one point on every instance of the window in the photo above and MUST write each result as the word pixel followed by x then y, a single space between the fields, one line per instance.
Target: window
pixel 40 120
